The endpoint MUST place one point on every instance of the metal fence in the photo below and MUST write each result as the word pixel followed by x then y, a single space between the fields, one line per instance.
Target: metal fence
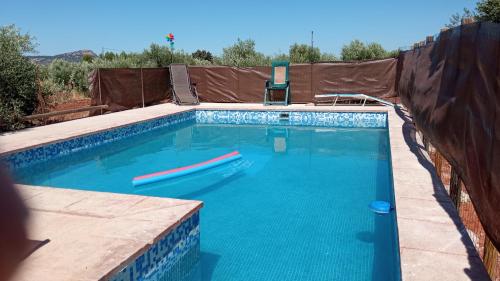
pixel 460 198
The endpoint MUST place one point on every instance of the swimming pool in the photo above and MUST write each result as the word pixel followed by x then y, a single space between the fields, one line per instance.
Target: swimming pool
pixel 295 207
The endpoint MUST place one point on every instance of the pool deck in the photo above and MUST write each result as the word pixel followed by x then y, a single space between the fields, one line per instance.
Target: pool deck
pixel 94 234
pixel 91 237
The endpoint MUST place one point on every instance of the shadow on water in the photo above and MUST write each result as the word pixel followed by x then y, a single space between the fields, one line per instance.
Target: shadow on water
pixel 365 236
pixel 203 271
pixel 476 270
pixel 213 187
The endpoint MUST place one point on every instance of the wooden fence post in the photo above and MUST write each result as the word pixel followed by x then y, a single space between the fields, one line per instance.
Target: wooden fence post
pixel 438 162
pixel 455 188
pixel 467 21
pixel 490 257
pixel 142 88
pixel 99 85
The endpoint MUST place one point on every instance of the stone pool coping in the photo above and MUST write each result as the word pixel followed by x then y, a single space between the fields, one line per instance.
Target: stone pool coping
pixel 93 235
pixel 433 242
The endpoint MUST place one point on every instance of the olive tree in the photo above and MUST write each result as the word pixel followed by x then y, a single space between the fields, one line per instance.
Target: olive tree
pixel 488 10
pixel 17 77
pixel 243 53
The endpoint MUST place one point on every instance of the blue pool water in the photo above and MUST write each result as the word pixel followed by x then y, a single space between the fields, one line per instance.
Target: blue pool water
pixel 294 208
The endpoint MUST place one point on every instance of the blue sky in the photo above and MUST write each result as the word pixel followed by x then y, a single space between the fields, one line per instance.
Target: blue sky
pixel 62 26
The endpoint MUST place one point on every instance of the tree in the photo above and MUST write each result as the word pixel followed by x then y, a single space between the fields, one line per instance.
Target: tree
pixel 161 56
pixel 357 50
pixel 456 19
pixel 376 51
pixel 108 56
pixel 87 58
pixel 17 77
pixel 281 57
pixel 302 53
pixel 203 55
pixel 488 10
pixel 328 57
pixel 243 53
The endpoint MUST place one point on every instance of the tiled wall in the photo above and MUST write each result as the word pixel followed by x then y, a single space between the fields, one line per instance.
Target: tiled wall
pixel 322 119
pixel 50 151
pixel 171 258
pixel 295 118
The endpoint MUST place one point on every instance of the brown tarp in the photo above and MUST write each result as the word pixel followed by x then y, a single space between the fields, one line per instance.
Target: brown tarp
pixel 246 84
pixel 121 88
pixel 452 89
pixel 374 78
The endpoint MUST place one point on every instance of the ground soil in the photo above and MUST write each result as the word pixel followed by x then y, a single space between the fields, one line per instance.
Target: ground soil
pixel 70 104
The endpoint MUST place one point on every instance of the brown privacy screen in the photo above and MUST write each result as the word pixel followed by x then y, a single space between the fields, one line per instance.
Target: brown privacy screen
pixel 231 84
pixel 452 88
pixel 123 88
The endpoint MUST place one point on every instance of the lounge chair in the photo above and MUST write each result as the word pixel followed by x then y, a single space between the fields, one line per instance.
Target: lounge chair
pixel 279 81
pixel 184 91
pixel 352 96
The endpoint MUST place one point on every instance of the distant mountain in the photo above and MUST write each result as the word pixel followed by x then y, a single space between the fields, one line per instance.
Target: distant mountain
pixel 75 56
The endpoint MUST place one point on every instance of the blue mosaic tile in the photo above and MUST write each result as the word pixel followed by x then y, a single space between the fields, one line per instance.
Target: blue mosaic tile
pixel 51 151
pixel 295 118
pixel 320 119
pixel 171 258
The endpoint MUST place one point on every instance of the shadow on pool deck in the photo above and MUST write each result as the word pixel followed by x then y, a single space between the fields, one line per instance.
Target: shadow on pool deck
pixel 476 270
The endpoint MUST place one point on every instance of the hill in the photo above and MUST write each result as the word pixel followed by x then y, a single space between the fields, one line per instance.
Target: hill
pixel 75 56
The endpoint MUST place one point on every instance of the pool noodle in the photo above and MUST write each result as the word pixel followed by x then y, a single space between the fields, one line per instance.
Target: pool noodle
pixel 186 170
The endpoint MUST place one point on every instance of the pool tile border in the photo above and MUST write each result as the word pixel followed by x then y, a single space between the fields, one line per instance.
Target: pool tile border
pixel 54 150
pixel 170 258
pixel 415 261
pixel 294 118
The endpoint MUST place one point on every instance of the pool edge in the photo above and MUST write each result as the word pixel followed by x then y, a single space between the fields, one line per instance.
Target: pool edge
pixel 422 258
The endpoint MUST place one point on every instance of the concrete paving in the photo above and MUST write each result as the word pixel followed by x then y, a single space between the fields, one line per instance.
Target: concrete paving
pixel 432 239
pixel 94 234
pixel 433 242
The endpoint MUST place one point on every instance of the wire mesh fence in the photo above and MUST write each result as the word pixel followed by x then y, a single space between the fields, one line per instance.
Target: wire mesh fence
pixel 459 196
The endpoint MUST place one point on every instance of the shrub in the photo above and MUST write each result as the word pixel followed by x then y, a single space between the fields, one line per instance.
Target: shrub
pixel 131 61
pixel 203 55
pixel 69 76
pixel 47 88
pixel 60 72
pixel 17 78
pixel 79 77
